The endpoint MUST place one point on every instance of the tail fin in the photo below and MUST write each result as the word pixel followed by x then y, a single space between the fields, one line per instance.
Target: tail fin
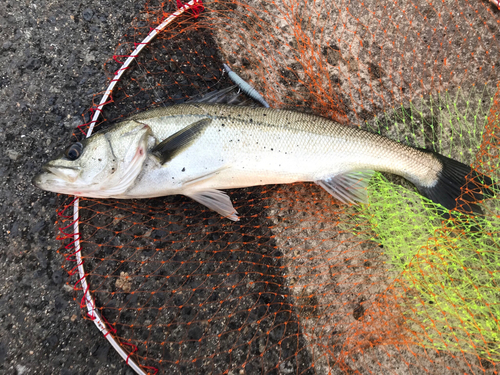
pixel 458 187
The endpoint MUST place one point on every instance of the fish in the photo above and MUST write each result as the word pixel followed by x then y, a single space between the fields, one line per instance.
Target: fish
pixel 200 149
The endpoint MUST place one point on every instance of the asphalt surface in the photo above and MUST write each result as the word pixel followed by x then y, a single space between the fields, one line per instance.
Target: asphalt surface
pixel 51 59
pixel 51 66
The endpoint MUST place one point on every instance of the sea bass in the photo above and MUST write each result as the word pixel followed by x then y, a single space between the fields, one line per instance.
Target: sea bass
pixel 198 149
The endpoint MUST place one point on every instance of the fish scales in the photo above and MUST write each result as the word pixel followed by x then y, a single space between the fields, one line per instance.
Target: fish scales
pixel 280 146
pixel 197 149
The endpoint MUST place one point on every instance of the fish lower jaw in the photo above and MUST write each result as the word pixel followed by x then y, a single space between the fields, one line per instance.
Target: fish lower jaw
pixel 146 195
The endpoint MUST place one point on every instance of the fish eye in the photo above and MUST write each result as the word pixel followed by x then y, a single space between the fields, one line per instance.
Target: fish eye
pixel 74 151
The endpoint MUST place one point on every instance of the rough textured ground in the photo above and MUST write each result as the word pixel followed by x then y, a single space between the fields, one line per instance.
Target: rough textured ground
pixel 51 60
pixel 50 67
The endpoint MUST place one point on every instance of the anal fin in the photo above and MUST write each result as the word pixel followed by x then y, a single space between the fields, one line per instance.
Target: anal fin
pixel 215 200
pixel 349 187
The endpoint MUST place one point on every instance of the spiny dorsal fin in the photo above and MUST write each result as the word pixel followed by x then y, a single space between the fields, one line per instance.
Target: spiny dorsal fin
pixel 177 142
pixel 231 95
pixel 224 96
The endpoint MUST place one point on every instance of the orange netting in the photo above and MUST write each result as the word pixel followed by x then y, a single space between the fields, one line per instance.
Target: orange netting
pixel 303 284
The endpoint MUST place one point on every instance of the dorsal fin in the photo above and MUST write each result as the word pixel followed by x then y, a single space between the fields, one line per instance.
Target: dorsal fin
pixel 230 95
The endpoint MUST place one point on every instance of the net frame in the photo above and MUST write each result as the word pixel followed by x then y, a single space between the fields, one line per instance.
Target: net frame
pixel 87 299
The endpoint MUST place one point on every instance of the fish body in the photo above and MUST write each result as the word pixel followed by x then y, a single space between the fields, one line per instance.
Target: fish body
pixel 243 147
pixel 198 149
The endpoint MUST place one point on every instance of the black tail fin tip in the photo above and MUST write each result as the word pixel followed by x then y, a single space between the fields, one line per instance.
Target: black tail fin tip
pixel 458 187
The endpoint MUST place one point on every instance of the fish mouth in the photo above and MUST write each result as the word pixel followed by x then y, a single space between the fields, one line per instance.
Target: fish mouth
pixel 62 171
pixel 37 180
pixel 47 181
pixel 55 177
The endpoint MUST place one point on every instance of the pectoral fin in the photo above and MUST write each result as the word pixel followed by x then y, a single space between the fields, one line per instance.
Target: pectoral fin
pixel 215 200
pixel 177 142
pixel 348 187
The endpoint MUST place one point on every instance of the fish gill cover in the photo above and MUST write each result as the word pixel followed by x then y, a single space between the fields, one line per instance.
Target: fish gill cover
pixel 304 284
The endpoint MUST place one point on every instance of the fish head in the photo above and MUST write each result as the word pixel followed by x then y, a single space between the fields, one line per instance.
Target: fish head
pixel 102 166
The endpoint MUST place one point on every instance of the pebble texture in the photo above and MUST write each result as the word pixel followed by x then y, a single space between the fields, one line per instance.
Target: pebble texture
pixel 51 58
pixel 52 54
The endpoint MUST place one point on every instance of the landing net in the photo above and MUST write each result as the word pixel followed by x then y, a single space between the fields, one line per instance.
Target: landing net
pixel 303 284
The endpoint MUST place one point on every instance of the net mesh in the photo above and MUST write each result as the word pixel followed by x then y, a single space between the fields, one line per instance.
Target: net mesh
pixel 302 283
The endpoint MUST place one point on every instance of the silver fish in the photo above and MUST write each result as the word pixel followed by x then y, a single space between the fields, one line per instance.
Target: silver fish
pixel 198 149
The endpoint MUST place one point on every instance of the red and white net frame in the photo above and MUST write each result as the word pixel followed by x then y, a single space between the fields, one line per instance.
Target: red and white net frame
pixel 87 300
pixel 124 348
